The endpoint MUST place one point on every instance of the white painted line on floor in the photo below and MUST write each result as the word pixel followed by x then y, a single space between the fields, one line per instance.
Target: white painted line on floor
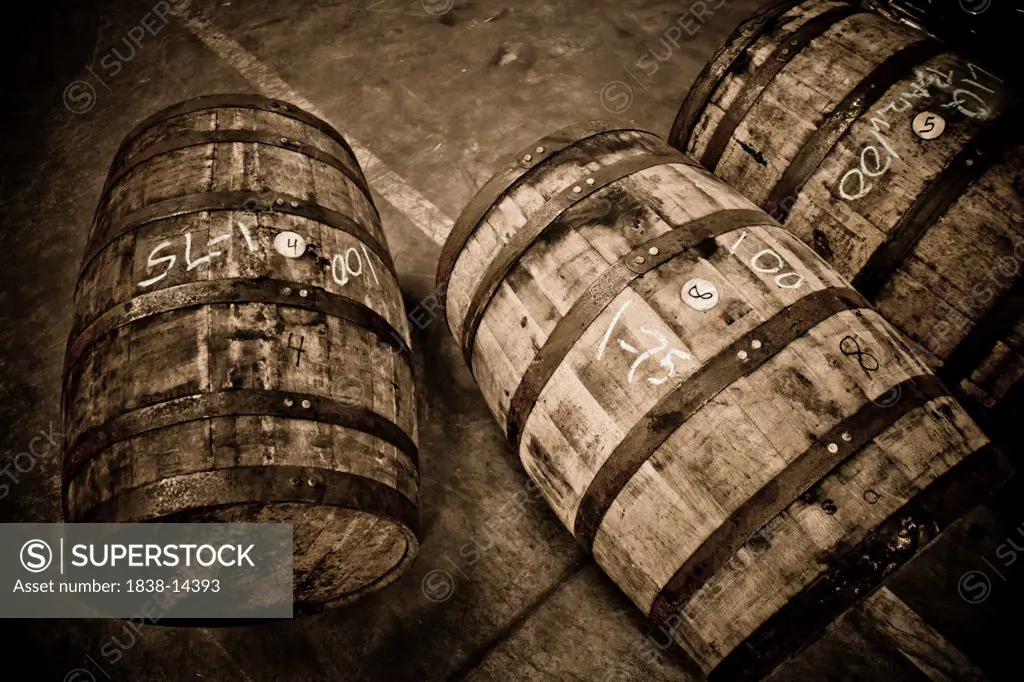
pixel 395 190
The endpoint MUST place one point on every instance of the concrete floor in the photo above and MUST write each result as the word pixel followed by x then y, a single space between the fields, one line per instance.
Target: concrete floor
pixel 440 99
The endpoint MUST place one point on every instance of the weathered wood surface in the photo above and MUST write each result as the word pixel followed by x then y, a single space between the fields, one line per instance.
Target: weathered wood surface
pixel 928 229
pixel 760 452
pixel 211 378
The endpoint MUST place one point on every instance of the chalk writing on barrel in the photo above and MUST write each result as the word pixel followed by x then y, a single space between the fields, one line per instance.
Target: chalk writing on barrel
pixel 190 262
pixel 298 349
pixel 854 183
pixel 648 351
pixel 769 262
pixel 700 294
pixel 850 347
pixel 694 292
pixel 344 267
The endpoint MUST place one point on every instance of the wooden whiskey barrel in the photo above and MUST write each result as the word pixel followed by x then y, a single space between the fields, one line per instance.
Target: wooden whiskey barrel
pixel 744 445
pixel 898 161
pixel 239 351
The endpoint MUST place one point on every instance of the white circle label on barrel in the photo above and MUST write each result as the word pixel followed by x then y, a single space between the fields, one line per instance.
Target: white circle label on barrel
pixel 290 244
pixel 700 294
pixel 928 126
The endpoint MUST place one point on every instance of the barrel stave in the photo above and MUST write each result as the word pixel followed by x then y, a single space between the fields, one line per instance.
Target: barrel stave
pixel 922 227
pixel 231 118
pixel 652 464
pixel 796 547
pixel 560 173
pixel 212 375
pixel 815 80
pixel 236 348
pixel 623 216
pixel 250 167
pixel 115 276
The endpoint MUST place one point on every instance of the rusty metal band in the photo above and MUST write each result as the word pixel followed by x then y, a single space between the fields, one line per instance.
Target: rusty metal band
pixel 235 101
pixel 838 122
pixel 789 46
pixel 603 291
pixel 855 573
pixel 725 60
pixel 234 403
pixel 535 226
pixel 237 291
pixel 805 471
pixel 504 180
pixel 994 325
pixel 234 200
pixel 255 485
pixel 241 137
pixel 687 398
pixel 971 162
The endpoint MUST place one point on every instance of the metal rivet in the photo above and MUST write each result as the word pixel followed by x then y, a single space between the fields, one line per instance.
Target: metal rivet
pixel 742 355
pixel 833 448
pixel 288 402
pixel 577 189
pixel 653 251
pixel 846 436
pixel 303 293
pixel 295 481
pixel 287 291
pixel 794 41
pixel 970 162
pixel 311 483
pixel 639 260
pixel 528 157
pixel 591 181
pixel 306 404
pixel 755 344
pixel 294 204
pixel 540 150
pixel 284 140
pixel 870 496
pixel 785 50
pixel 274 104
pixel 279 202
